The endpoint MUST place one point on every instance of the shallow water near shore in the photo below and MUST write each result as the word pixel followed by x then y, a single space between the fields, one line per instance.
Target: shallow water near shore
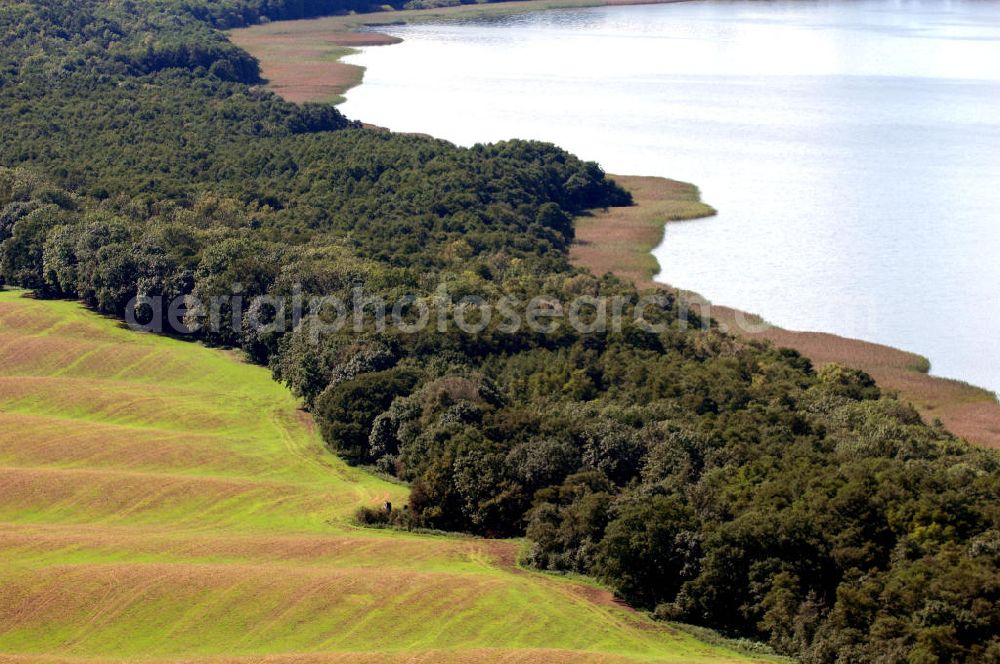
pixel 852 148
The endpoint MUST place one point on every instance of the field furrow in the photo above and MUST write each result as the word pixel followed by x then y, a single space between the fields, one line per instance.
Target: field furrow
pixel 164 502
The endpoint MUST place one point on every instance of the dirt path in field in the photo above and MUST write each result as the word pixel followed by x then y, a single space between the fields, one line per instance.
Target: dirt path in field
pixel 620 240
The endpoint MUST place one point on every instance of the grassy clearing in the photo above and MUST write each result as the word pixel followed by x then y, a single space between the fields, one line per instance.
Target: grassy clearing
pixel 620 240
pixel 301 59
pixel 160 501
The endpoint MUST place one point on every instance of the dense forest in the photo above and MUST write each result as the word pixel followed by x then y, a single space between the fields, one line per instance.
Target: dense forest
pixel 708 479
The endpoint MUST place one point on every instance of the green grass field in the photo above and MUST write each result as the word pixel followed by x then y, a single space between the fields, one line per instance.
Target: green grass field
pixel 167 502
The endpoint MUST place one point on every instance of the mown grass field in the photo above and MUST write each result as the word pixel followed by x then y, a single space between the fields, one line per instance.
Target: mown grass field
pixel 162 501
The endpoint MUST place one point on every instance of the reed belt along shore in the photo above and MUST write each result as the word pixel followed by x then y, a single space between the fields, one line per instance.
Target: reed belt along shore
pixel 620 240
pixel 301 60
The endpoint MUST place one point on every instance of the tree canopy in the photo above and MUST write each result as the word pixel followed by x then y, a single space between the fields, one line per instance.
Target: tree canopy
pixel 708 479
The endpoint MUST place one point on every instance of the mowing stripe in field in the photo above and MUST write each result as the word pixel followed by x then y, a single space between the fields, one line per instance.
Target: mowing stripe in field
pixel 163 501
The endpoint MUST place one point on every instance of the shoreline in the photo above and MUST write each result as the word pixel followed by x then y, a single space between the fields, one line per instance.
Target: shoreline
pixel 621 241
pixel 301 60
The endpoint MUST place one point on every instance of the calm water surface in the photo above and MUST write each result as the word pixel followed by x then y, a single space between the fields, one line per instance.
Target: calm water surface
pixel 852 148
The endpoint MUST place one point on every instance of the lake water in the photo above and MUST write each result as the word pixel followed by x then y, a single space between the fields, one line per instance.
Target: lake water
pixel 851 147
